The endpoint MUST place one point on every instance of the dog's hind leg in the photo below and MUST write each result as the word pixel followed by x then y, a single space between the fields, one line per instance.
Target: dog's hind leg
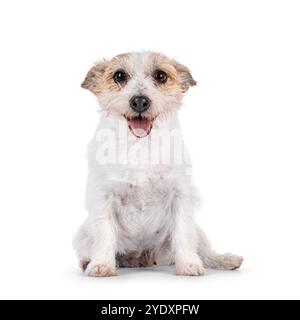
pixel 214 260
pixel 82 243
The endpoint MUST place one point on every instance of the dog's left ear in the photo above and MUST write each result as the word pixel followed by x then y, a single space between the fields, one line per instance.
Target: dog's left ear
pixel 93 78
pixel 185 76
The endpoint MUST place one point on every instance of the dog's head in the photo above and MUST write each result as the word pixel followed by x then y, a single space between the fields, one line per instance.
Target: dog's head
pixel 140 87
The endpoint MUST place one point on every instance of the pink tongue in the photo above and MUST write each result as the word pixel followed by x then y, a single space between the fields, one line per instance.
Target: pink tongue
pixel 140 126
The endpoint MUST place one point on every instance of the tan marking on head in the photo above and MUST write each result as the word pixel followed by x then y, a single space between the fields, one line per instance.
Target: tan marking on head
pixel 119 62
pixel 178 74
pixel 100 77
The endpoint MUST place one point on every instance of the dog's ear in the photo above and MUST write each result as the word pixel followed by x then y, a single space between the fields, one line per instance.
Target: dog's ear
pixel 185 76
pixel 93 77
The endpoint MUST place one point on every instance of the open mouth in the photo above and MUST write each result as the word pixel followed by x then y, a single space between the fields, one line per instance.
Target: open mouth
pixel 139 126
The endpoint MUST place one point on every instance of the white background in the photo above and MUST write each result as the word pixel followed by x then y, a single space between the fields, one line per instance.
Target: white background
pixel 241 124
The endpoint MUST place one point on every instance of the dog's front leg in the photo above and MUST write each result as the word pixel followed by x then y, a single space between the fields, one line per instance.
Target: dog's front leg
pixel 184 241
pixel 103 254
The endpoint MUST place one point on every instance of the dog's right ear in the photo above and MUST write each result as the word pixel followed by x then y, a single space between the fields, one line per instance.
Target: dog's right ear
pixel 185 76
pixel 92 80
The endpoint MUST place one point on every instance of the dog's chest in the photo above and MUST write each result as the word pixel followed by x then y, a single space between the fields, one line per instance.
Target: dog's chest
pixel 143 213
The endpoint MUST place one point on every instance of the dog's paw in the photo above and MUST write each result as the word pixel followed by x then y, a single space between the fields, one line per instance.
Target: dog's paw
pixel 190 269
pixel 229 261
pixel 100 270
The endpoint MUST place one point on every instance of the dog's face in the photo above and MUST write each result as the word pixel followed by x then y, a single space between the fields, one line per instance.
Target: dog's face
pixel 140 87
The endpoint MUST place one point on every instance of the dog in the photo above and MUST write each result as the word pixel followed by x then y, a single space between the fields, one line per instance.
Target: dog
pixel 140 196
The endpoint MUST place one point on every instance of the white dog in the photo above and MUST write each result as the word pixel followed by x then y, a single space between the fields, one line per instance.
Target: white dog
pixel 140 197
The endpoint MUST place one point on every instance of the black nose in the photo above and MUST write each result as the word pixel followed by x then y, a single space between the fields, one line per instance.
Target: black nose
pixel 139 103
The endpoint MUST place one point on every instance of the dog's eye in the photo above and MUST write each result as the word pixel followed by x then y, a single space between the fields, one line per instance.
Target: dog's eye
pixel 160 76
pixel 120 76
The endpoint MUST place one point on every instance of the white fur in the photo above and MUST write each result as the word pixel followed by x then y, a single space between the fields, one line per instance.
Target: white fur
pixel 141 213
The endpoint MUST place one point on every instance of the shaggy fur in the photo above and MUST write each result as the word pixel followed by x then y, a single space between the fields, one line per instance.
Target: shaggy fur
pixel 140 208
